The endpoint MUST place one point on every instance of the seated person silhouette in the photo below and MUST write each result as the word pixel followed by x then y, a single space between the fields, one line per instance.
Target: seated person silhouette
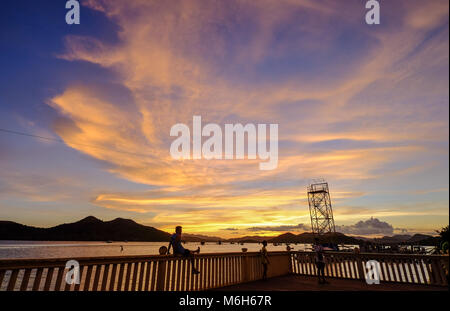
pixel 178 249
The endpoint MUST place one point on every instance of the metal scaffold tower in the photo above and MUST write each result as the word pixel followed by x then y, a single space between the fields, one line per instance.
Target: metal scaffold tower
pixel 322 220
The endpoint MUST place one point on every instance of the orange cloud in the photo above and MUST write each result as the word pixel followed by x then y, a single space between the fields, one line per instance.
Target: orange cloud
pixel 173 57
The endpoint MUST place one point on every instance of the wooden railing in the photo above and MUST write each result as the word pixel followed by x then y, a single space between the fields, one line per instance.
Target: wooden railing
pixel 413 269
pixel 168 273
pixel 139 273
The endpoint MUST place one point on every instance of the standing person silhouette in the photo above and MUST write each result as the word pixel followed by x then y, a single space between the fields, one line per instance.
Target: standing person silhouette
pixel 264 259
pixel 320 261
pixel 178 249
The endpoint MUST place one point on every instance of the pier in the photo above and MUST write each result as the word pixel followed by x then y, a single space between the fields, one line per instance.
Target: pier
pixel 224 271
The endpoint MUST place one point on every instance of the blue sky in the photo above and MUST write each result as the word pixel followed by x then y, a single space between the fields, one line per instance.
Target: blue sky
pixel 365 107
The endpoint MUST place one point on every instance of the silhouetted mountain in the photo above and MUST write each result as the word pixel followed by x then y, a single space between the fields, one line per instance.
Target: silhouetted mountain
pixel 87 229
pixel 362 238
pixel 418 237
pixel 10 230
pixel 423 239
pixel 249 239
pixel 308 238
pixel 285 238
pixel 399 238
pixel 199 238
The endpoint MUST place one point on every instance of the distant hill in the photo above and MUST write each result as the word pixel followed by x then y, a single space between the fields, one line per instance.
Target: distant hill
pixel 399 238
pixel 199 238
pixel 249 239
pixel 87 229
pixel 285 238
pixel 418 237
pixel 308 238
pixel 422 239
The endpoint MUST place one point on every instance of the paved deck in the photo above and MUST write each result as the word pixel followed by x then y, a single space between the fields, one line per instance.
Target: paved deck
pixel 308 283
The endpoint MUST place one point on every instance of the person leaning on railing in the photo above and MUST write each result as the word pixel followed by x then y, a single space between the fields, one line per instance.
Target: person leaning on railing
pixel 264 259
pixel 320 261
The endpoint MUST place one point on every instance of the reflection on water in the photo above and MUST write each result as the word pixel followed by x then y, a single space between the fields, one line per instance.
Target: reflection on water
pixel 51 249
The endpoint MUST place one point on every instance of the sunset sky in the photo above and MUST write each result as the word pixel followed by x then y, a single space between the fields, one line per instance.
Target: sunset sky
pixel 363 106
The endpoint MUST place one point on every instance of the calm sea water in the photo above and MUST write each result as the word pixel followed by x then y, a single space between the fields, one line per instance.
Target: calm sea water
pixel 51 249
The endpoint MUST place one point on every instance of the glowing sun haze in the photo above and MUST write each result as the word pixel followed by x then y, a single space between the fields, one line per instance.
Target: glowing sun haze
pixel 365 107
